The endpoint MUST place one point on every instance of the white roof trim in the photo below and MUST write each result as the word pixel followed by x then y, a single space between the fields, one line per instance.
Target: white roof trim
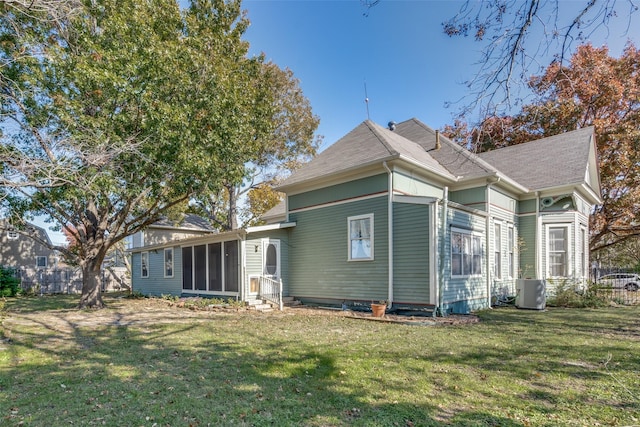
pixel 270 227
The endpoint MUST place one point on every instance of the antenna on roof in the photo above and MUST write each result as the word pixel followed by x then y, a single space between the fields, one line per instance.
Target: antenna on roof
pixel 366 99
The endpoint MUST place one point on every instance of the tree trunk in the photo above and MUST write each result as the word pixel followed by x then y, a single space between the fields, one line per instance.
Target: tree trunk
pixel 232 220
pixel 91 284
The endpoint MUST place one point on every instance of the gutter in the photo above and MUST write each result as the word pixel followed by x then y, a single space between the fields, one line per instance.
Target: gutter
pixel 390 235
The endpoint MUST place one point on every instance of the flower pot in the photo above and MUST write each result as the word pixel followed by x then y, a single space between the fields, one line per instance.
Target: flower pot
pixel 378 309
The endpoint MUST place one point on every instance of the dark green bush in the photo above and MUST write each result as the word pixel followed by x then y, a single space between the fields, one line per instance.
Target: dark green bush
pixel 9 283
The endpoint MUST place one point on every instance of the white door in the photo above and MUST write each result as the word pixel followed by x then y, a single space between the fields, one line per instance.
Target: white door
pixel 271 258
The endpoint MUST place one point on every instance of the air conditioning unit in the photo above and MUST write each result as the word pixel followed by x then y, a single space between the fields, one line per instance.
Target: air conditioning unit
pixel 530 294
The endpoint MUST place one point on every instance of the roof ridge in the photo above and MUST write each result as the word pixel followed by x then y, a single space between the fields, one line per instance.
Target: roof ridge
pixel 381 137
pixel 461 150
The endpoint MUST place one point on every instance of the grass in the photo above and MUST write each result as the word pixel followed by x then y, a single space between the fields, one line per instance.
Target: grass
pixel 561 367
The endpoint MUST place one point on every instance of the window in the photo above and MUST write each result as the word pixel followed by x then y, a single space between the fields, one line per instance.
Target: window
pixel 12 235
pixel 213 267
pixel 360 237
pixel 168 262
pixel 497 251
pixel 41 261
pixel 466 253
pixel 144 264
pixel 557 251
pixel 511 260
pixel 583 252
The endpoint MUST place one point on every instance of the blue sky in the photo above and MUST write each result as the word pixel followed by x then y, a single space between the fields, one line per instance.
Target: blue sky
pixel 410 67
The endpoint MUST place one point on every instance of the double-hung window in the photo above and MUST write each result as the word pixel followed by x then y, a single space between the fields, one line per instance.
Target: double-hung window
pixel 360 237
pixel 168 262
pixel 41 261
pixel 12 235
pixel 557 252
pixel 144 264
pixel 497 250
pixel 466 253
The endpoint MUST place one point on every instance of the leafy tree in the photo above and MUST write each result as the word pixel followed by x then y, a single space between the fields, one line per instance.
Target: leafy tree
pixel 289 143
pixel 594 89
pixel 120 111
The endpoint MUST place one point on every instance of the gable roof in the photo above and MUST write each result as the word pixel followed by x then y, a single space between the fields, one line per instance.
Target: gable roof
pixel 185 222
pixel 554 161
pixel 457 160
pixel 567 159
pixel 367 144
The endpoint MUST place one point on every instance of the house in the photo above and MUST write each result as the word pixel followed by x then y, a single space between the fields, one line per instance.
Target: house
pixel 170 229
pixel 19 250
pixel 405 215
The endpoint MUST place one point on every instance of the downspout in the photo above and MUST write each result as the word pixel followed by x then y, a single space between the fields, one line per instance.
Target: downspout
pixel 537 263
pixel 445 205
pixel 488 240
pixel 390 234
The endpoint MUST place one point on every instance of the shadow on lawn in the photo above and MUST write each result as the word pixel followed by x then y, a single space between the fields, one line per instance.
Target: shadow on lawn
pixel 189 374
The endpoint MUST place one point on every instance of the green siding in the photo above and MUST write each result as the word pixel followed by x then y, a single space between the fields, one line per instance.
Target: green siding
pixel 467 293
pixel 411 253
pixel 413 186
pixel 472 197
pixel 318 265
pixel 527 246
pixel 527 206
pixel 156 284
pixel 360 187
pixel 501 200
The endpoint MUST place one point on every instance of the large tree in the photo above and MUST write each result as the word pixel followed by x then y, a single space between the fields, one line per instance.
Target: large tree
pixel 598 90
pixel 122 110
pixel 290 143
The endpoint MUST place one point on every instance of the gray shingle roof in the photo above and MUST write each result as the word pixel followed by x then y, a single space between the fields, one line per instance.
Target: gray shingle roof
pixel 186 222
pixel 457 160
pixel 548 162
pixel 366 144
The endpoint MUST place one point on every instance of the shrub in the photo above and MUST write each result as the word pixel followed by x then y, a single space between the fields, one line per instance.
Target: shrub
pixel 567 296
pixel 9 283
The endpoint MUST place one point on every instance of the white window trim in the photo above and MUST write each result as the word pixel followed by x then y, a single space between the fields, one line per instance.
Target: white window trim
pixel 497 244
pixel 371 233
pixel 165 262
pixel 12 235
pixel 471 233
pixel 144 255
pixel 39 257
pixel 568 260
pixel 511 253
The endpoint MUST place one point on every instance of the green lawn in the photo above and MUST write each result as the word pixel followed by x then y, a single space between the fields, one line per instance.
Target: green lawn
pixel 561 367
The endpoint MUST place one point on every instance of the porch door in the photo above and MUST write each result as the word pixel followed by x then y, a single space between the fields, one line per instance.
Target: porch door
pixel 271 258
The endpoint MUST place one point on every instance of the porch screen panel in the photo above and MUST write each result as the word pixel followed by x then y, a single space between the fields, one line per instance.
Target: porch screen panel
pixel 200 266
pixel 231 266
pixel 215 267
pixel 187 268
